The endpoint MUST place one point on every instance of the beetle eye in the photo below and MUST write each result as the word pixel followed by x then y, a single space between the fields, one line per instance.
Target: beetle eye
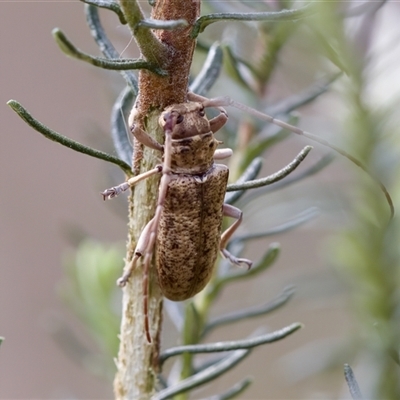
pixel 179 119
pixel 202 112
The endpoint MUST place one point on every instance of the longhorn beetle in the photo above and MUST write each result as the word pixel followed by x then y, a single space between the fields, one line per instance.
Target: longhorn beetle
pixel 186 227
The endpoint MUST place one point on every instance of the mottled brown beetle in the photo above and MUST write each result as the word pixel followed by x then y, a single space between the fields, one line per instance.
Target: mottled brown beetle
pixel 186 227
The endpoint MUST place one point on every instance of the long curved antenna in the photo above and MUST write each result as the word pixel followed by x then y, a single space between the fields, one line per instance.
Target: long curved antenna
pixel 227 101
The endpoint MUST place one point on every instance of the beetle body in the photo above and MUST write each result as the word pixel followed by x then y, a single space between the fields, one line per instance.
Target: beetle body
pixel 189 232
pixel 186 228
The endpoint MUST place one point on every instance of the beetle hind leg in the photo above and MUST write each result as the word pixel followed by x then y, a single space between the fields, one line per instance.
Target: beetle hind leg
pixel 233 212
pixel 127 274
pixel 235 260
pixel 141 248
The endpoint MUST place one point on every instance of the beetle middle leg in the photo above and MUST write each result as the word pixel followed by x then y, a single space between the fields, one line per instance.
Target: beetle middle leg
pixel 221 154
pixel 231 211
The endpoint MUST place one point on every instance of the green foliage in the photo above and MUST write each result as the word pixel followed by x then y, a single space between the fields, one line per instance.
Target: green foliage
pixel 368 252
pixel 90 291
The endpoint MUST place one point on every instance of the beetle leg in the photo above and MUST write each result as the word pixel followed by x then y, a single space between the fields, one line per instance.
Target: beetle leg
pixel 140 250
pixel 151 236
pixel 116 190
pixel 219 121
pixel 233 212
pixel 152 226
pixel 144 138
pixel 144 247
pixel 221 154
pixel 149 233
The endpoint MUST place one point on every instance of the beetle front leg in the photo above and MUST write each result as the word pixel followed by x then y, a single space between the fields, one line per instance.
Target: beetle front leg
pixel 233 212
pixel 116 190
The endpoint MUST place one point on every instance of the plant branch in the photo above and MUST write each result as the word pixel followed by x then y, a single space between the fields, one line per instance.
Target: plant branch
pixel 283 15
pixel 165 25
pixel 231 345
pixel 251 312
pixel 105 46
pixel 277 176
pixel 250 173
pixel 109 5
pixel 209 72
pixel 312 170
pixel 119 131
pixel 150 46
pixel 137 363
pixel 113 64
pixel 298 220
pixel 63 140
pixel 204 376
pixel 234 391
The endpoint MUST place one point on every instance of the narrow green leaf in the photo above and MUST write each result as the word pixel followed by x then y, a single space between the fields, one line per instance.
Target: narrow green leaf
pixel 209 72
pixel 119 130
pixel 283 15
pixel 109 5
pixel 113 64
pixel 63 140
pixel 168 25
pixel 105 45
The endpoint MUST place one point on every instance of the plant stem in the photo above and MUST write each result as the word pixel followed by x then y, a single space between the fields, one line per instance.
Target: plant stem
pixel 137 363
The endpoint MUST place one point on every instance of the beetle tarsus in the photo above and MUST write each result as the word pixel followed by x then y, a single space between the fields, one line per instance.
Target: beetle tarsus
pixel 236 261
pixel 115 191
pixel 122 281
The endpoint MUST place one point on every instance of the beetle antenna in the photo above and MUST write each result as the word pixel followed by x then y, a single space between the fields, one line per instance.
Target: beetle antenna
pixel 227 101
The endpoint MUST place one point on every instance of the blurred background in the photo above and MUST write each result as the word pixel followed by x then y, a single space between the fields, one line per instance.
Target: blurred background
pixel 50 201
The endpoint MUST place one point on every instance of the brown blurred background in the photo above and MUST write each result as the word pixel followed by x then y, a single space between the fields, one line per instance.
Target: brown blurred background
pixel 46 190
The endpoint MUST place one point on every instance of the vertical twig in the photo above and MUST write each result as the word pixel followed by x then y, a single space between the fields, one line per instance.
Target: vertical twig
pixel 137 362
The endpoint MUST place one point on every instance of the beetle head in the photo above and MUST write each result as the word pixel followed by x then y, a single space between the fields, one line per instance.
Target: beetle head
pixel 185 120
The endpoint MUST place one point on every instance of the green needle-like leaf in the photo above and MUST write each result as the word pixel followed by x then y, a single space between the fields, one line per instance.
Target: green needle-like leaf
pixel 63 140
pixel 168 25
pixel 113 64
pixel 283 15
pixel 109 5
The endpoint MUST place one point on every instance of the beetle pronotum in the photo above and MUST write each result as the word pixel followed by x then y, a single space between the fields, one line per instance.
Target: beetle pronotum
pixel 186 227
